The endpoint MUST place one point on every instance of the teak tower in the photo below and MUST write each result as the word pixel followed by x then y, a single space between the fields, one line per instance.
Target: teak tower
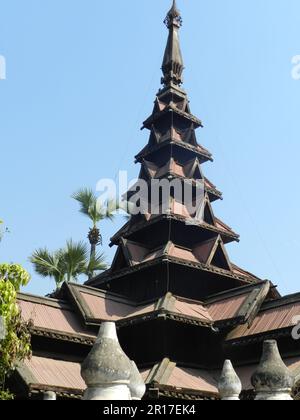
pixel 173 250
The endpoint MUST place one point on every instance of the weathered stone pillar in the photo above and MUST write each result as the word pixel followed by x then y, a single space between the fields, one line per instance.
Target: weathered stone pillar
pixel 137 386
pixel 49 396
pixel 230 386
pixel 272 380
pixel 107 370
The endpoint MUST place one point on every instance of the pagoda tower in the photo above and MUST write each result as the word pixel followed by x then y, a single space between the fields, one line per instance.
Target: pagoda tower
pixel 176 245
pixel 180 305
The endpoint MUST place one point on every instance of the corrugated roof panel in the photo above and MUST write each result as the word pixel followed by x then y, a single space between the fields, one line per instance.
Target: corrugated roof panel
pixel 227 308
pixel 105 309
pixel 193 379
pixel 192 309
pixel 58 318
pixel 110 310
pixel 56 373
pixel 269 320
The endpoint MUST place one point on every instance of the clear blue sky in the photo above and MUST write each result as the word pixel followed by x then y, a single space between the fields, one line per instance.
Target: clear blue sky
pixel 82 76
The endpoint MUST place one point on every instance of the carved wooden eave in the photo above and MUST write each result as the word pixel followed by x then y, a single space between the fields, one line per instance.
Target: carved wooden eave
pixel 260 338
pixel 160 255
pixel 199 151
pixel 163 309
pixel 59 336
pixel 108 275
pixel 171 108
pixel 191 172
pixel 167 392
pixel 133 226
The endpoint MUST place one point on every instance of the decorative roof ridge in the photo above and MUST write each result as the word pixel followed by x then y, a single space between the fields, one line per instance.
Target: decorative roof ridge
pixel 41 300
pixel 101 293
pixel 148 123
pixel 247 273
pixel 251 306
pixel 280 302
pixel 232 292
pixel 199 149
pixel 189 300
pixel 147 166
pixel 161 372
pixel 156 218
pixel 78 338
pixel 166 303
pixel 102 278
pixel 223 224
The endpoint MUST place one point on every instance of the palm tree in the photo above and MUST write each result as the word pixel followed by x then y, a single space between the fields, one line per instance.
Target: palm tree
pixel 66 264
pixel 49 264
pixel 92 208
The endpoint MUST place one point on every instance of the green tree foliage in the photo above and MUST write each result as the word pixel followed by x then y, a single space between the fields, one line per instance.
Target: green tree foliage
pixel 15 347
pixel 68 263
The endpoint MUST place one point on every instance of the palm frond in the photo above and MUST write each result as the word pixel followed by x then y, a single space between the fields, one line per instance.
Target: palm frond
pixel 93 208
pixel 87 200
pixel 48 264
pixel 96 263
pixel 74 259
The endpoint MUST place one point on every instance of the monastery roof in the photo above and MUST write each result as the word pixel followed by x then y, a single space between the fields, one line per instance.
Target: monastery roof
pixel 77 316
pixel 190 170
pixel 275 316
pixel 84 308
pixel 167 378
pixel 208 256
pixel 202 217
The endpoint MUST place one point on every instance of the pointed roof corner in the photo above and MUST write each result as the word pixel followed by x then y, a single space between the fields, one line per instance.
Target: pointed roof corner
pixel 173 66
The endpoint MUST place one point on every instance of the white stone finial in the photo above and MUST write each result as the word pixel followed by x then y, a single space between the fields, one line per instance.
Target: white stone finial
pixel 107 370
pixel 137 386
pixel 230 386
pixel 272 380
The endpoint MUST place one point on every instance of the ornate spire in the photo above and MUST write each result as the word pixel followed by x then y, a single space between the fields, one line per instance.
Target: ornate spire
pixel 172 66
pixel 173 17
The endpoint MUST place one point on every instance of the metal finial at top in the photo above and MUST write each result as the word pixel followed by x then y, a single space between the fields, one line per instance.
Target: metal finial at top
pixel 172 66
pixel 173 17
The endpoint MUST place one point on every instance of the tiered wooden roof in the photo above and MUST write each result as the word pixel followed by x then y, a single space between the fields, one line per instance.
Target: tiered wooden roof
pixel 175 237
pixel 181 306
pixel 64 329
